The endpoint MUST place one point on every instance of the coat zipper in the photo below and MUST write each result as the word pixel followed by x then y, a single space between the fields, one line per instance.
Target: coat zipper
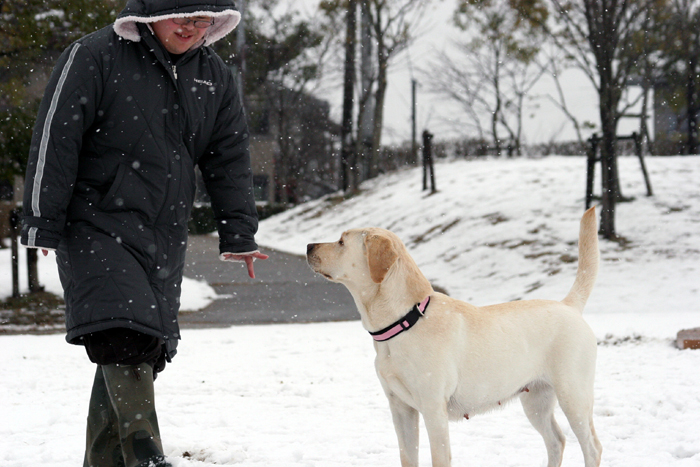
pixel 175 71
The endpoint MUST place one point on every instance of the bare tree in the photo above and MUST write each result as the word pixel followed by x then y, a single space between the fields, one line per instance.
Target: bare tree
pixel 553 63
pixel 595 34
pixel 648 72
pixel 387 27
pixel 521 78
pixel 391 22
pixel 493 72
pixel 459 84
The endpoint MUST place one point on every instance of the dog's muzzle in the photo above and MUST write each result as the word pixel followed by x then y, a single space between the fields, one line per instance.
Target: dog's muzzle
pixel 311 258
pixel 314 261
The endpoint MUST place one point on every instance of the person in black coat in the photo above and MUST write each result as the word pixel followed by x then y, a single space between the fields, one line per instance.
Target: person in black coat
pixel 128 113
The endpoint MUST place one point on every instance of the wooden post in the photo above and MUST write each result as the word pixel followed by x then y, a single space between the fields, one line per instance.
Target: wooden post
pixel 428 159
pixel 425 164
pixel 14 231
pixel 638 147
pixel 33 271
pixel 414 142
pixel 590 168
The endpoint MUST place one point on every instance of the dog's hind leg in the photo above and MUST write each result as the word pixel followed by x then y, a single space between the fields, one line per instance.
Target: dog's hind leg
pixel 405 420
pixel 579 412
pixel 539 405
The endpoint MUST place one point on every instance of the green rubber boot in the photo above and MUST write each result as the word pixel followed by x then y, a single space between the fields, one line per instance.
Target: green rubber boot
pixel 130 389
pixel 104 448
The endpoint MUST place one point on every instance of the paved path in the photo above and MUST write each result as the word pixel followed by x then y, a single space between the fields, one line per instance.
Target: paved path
pixel 285 290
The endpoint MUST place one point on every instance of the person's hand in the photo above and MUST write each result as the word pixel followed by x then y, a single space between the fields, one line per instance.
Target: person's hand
pixel 248 258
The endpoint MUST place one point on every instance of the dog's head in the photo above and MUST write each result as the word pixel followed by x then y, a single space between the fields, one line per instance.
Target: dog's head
pixel 360 256
pixel 376 268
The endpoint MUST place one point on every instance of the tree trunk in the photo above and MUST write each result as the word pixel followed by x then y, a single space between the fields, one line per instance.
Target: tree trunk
pixel 608 106
pixel 644 114
pixel 497 111
pixel 647 83
pixel 380 95
pixel 365 114
pixel 347 146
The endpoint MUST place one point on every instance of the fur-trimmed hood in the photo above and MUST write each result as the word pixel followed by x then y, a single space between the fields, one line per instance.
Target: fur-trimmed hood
pixel 224 12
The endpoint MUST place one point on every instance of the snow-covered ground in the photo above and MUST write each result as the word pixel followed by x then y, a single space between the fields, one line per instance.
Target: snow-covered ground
pixel 306 394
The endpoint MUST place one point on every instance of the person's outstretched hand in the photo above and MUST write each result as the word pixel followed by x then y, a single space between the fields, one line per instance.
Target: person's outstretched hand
pixel 248 258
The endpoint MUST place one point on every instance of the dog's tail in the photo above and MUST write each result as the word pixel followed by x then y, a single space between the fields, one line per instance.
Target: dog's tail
pixel 588 259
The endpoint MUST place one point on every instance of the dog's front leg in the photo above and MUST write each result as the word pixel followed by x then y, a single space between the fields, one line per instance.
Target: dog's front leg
pixel 436 423
pixel 406 425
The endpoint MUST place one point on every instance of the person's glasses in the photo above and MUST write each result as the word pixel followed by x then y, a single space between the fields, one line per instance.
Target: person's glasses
pixel 198 23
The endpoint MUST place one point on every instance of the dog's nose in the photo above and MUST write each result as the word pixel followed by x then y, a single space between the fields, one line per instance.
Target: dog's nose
pixel 310 247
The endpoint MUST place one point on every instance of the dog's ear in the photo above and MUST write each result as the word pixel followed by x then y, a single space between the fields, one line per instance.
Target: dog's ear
pixel 381 255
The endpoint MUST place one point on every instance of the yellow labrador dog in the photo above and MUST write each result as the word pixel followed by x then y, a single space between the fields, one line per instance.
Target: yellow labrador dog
pixel 449 360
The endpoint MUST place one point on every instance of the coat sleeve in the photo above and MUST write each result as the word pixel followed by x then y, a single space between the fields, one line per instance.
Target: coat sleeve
pixel 66 111
pixel 228 176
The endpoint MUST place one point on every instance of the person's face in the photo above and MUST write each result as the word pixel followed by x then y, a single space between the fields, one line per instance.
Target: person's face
pixel 178 38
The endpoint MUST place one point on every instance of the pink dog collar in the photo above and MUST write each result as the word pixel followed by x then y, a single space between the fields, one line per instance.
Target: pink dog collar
pixel 403 324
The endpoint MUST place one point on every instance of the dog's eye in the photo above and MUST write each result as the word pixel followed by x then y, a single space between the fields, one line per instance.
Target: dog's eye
pixel 341 242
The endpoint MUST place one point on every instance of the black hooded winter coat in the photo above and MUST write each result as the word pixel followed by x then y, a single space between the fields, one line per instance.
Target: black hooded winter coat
pixel 110 181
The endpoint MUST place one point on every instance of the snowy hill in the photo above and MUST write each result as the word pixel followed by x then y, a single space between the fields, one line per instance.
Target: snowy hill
pixel 500 230
pixel 306 395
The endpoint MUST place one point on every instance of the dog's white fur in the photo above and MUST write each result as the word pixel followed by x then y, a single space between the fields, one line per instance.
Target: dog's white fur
pixel 461 360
